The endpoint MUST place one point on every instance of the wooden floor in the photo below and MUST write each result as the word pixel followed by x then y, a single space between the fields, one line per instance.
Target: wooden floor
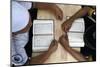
pixel 60 55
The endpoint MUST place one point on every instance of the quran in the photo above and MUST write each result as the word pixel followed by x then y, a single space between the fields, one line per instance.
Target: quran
pixel 43 34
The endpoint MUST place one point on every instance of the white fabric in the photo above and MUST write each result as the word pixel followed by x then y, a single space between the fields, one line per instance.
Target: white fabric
pixel 27 5
pixel 18 43
pixel 20 17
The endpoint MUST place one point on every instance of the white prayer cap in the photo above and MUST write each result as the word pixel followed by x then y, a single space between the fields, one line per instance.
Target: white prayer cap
pixel 20 17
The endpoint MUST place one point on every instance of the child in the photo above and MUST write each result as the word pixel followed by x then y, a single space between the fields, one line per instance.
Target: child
pixel 21 23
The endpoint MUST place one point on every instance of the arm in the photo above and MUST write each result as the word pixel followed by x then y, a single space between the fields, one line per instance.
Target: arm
pixel 53 8
pixel 82 12
pixel 78 56
pixel 65 43
pixel 67 23
pixel 43 57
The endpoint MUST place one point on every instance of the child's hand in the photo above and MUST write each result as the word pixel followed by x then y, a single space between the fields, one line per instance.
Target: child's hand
pixel 58 12
pixel 53 46
pixel 64 40
pixel 52 8
pixel 66 25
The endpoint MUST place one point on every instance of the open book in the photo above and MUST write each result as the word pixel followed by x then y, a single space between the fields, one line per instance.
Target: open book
pixel 76 33
pixel 43 34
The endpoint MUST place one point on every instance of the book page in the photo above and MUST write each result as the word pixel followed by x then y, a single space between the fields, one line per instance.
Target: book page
pixel 42 34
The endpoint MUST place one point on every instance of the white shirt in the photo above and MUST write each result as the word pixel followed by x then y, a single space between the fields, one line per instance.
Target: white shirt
pixel 20 18
pixel 20 15
pixel 17 48
pixel 27 5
